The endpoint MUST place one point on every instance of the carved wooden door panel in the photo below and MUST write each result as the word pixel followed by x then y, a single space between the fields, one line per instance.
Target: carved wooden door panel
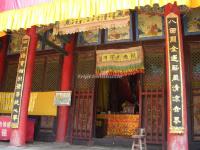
pixel 83 97
pixel 152 95
pixel 153 115
pixel 83 115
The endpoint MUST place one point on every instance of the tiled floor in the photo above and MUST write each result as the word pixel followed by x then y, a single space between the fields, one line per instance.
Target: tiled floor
pixel 56 146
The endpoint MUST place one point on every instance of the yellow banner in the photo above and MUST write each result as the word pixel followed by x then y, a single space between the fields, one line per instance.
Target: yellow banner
pixel 59 10
pixel 40 103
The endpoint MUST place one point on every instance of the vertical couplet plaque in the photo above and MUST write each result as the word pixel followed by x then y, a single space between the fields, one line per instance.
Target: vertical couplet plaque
pixel 19 85
pixel 175 73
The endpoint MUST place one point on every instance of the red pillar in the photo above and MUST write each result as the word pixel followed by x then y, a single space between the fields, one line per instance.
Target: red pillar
pixel 66 80
pixel 175 141
pixel 3 50
pixel 18 136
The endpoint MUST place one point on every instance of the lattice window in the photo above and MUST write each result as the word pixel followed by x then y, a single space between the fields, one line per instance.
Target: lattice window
pixel 38 75
pixel 154 69
pixel 52 74
pixel 46 75
pixel 195 64
pixel 10 78
pixel 85 69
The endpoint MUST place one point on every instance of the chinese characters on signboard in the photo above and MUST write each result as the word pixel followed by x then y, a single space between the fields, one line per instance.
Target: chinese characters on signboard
pixel 175 74
pixel 63 98
pixel 19 82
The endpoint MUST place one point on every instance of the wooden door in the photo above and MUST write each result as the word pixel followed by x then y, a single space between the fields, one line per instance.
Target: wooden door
pixel 46 77
pixel 152 95
pixel 83 97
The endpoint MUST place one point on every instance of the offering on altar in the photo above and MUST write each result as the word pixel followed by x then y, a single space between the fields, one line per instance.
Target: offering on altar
pixel 128 107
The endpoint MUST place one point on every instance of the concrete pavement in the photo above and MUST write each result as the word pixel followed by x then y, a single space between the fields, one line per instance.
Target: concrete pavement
pixel 56 146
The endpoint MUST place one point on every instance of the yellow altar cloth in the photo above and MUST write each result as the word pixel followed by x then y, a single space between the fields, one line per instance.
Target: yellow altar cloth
pixel 120 124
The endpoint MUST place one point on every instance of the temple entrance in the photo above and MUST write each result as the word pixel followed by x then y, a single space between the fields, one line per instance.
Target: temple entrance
pixel 116 107
pixel 135 101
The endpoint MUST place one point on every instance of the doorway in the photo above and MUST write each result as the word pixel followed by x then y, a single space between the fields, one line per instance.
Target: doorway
pixel 117 110
pixel 101 104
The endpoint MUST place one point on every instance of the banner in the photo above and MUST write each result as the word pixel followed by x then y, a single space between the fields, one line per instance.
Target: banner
pixel 36 103
pixel 119 62
pixel 110 20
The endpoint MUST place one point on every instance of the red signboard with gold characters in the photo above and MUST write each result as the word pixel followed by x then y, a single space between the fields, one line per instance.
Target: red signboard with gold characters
pixel 20 82
pixel 175 74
